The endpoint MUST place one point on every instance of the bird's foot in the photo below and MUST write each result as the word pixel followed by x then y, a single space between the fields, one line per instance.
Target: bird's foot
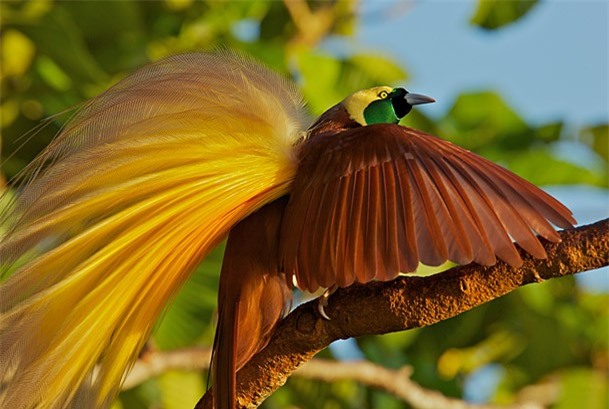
pixel 322 302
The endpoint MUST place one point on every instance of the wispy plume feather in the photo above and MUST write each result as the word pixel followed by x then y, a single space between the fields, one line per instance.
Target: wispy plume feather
pixel 144 180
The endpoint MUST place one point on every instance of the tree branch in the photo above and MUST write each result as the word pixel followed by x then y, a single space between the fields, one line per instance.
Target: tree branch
pixel 155 363
pixel 394 381
pixel 405 303
pixel 312 26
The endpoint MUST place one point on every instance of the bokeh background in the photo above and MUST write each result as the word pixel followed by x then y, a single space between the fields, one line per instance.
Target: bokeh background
pixel 524 83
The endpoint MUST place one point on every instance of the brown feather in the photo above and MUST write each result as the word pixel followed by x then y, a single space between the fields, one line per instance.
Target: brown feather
pixel 252 297
pixel 355 243
pixel 458 247
pixel 432 249
pixel 404 197
pixel 409 258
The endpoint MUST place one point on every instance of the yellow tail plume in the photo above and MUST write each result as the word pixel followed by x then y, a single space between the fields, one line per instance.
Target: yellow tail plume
pixel 129 198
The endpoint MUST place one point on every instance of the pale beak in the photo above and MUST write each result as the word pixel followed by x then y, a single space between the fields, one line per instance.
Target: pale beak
pixel 418 99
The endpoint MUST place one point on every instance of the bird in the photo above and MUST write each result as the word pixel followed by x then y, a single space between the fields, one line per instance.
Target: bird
pixel 149 176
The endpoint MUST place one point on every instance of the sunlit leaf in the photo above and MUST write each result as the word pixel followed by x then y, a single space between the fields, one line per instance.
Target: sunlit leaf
pixel 498 346
pixel 382 70
pixel 178 4
pixel 583 388
pixel 549 132
pixel 542 168
pixel 144 396
pixel 189 318
pixel 181 389
pixel 539 298
pixel 9 110
pixel 346 17
pixel 482 119
pixel 319 75
pixel 17 52
pixel 493 14
pixel 52 74
pixel 62 41
pixel 325 78
pixel 598 138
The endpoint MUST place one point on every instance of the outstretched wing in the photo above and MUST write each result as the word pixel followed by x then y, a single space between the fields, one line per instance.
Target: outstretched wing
pixel 374 201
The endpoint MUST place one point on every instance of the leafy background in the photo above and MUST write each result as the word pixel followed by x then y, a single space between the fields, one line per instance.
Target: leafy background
pixel 54 55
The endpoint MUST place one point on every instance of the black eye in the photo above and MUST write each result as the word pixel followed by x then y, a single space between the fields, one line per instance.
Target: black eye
pixel 383 94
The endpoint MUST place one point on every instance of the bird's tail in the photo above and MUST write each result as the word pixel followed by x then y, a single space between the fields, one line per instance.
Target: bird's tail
pixel 121 207
pixel 253 297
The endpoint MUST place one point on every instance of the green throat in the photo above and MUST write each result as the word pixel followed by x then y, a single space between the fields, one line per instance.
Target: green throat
pixel 380 112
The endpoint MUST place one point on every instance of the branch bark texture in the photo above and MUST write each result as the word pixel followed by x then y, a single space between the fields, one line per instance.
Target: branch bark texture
pixel 405 303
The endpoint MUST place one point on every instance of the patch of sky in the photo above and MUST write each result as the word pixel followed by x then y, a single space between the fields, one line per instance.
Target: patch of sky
pixel 247 30
pixel 552 64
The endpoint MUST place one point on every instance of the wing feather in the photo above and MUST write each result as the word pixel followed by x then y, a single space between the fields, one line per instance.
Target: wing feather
pixel 474 236
pixel 371 226
pixel 407 243
pixel 542 207
pixel 339 223
pixel 386 197
pixel 432 250
pixel 510 217
pixel 355 242
pixel 305 272
pixel 528 210
pixel 482 205
pixel 459 247
pixel 390 243
pixel 320 233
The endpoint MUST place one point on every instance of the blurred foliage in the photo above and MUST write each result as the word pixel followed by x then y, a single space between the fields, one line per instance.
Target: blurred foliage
pixel 493 14
pixel 598 138
pixel 56 54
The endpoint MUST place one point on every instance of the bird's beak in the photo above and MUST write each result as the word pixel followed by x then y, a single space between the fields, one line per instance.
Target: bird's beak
pixel 418 99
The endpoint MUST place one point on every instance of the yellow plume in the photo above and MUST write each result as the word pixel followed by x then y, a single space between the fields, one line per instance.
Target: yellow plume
pixel 122 206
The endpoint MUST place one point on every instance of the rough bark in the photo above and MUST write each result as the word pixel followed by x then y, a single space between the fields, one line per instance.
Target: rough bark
pixel 405 303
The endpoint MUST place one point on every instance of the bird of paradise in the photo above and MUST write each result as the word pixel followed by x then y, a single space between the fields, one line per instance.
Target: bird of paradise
pixel 150 175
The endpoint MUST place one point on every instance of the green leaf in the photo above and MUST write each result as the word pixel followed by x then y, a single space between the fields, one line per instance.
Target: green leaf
pixel 365 71
pixel 345 22
pixel 319 73
pixel 549 132
pixel 52 74
pixel 17 53
pixel 583 388
pixel 189 318
pixel 538 298
pixel 598 138
pixel 498 346
pixel 276 22
pixel 327 80
pixel 144 396
pixel 378 69
pixel 493 14
pixel 483 119
pixel 542 168
pixel 181 389
pixel 61 39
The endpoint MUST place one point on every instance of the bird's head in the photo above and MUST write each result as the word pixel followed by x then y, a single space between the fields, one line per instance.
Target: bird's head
pixel 382 105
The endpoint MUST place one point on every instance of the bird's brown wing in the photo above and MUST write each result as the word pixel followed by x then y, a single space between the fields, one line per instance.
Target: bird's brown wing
pixel 370 202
